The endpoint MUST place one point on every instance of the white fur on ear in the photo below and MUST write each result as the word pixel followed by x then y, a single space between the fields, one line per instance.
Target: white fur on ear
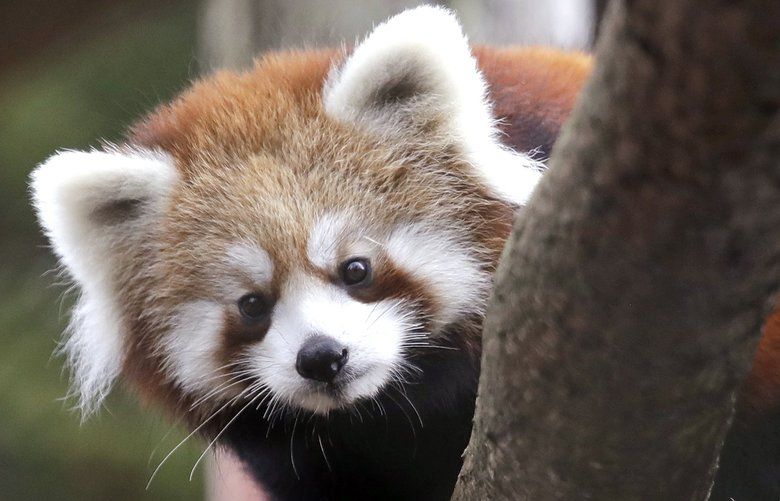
pixel 423 53
pixel 93 206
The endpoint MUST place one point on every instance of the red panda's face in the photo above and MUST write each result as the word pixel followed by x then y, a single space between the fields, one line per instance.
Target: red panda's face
pixel 298 236
pixel 309 278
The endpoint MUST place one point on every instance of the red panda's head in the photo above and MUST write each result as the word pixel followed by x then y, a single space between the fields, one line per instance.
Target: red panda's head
pixel 300 235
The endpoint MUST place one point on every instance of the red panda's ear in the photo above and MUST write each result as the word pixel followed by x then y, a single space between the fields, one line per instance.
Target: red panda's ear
pixel 98 208
pixel 417 69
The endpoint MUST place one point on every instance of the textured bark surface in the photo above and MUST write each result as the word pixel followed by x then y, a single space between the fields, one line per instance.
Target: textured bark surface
pixel 630 296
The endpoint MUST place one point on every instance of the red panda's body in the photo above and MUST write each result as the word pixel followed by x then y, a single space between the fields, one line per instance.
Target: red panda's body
pixel 295 259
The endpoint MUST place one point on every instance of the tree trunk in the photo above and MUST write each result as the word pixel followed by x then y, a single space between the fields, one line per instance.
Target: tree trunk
pixel 630 296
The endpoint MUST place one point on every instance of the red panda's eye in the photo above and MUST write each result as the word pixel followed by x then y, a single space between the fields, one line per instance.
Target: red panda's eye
pixel 355 271
pixel 253 306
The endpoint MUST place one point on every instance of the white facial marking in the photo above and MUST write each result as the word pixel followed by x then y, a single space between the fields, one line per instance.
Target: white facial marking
pixel 326 236
pixel 192 343
pixel 252 261
pixel 444 265
pixel 373 334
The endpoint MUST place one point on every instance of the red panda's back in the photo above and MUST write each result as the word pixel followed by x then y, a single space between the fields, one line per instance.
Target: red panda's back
pixel 533 90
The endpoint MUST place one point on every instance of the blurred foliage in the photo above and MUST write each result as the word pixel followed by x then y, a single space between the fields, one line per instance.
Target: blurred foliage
pixel 72 96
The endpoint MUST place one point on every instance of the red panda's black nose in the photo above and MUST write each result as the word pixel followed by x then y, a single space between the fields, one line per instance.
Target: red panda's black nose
pixel 321 358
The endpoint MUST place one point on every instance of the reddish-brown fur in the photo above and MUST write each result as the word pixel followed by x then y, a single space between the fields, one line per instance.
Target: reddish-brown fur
pixel 533 90
pixel 762 387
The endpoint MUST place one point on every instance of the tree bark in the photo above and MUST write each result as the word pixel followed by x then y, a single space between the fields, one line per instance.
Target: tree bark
pixel 630 296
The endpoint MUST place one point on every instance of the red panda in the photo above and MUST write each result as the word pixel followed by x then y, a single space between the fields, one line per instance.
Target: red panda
pixel 295 260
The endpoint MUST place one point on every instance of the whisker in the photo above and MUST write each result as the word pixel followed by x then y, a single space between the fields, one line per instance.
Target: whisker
pixel 292 456
pixel 224 428
pixel 408 418
pixel 238 379
pixel 193 432
pixel 412 405
pixel 324 456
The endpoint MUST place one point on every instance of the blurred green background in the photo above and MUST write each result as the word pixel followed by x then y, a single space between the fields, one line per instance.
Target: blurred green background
pixel 68 92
